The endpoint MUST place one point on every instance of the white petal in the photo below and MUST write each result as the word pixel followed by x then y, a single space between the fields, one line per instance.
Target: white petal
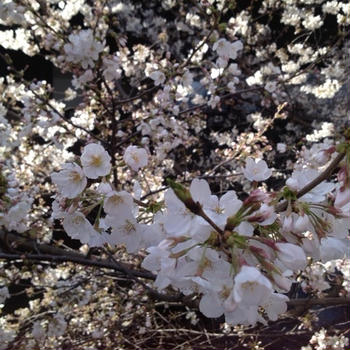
pixel 210 306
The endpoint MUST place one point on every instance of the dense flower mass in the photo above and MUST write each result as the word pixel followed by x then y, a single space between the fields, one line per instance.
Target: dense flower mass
pixel 186 252
pixel 182 151
pixel 83 48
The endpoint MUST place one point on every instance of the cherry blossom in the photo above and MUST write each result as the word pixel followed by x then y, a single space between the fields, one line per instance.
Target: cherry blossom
pixel 116 201
pixel 158 77
pixel 78 227
pixel 125 230
pixel 256 170
pixel 154 82
pixel 70 181
pixel 226 49
pixel 251 287
pixel 83 48
pixel 135 157
pixel 292 256
pixel 95 161
pixel 300 178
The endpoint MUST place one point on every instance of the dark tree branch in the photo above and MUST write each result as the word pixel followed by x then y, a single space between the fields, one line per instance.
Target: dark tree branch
pixel 223 97
pixel 23 248
pixel 323 176
pixel 321 301
pixel 48 253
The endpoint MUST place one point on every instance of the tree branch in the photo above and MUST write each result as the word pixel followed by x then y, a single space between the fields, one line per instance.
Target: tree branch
pixel 322 301
pixel 190 109
pixel 58 255
pixel 46 252
pixel 323 176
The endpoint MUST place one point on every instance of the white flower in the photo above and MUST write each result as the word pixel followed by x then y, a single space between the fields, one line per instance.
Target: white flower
pixel 87 76
pixel 112 70
pixel 243 314
pixel 70 181
pixel 16 218
pixel 281 147
pixel 264 216
pixel 217 291
pixel 38 331
pixel 333 248
pixel 302 224
pixel 78 227
pixel 95 161
pixel 83 48
pixel 342 198
pixel 104 188
pixel 152 261
pixel 220 209
pixel 256 170
pixel 226 49
pixel 281 281
pixel 331 7
pixel 57 326
pixel 125 230
pixel 135 157
pixel 251 287
pixel 180 220
pixel 312 22
pixel 200 191
pixel 115 200
pixel 271 86
pixel 233 69
pixel 275 305
pixel 58 206
pixel 291 255
pixel 301 178
pixel 211 305
pixel 158 77
pixel 187 78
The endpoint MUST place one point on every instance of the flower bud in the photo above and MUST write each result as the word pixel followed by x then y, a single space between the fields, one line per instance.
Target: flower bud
pixel 256 196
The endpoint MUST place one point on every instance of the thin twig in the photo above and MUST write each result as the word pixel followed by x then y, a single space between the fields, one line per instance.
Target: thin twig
pixel 190 109
pixel 141 94
pixel 66 119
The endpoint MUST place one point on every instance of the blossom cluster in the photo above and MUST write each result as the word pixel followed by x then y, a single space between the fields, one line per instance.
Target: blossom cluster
pixel 181 138
pixel 241 256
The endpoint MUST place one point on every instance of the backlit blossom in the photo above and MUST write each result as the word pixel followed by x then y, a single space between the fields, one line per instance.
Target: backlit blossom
pixel 301 178
pixel 291 255
pixel 158 77
pixel 275 305
pixel 70 181
pixel 125 230
pixel 78 227
pixel 256 170
pixel 115 200
pixel 226 49
pixel 135 157
pixel 83 48
pixel 96 161
pixel 251 287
